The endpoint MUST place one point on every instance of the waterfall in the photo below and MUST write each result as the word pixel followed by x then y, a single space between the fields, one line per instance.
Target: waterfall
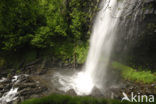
pixel 101 43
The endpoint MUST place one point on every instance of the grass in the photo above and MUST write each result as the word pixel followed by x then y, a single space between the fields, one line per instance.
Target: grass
pixel 65 99
pixel 131 74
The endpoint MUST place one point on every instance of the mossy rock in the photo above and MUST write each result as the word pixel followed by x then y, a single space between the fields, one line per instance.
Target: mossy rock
pixel 2 63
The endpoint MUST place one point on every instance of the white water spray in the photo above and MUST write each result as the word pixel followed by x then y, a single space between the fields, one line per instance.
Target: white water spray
pixel 9 96
pixel 101 43
pixel 13 93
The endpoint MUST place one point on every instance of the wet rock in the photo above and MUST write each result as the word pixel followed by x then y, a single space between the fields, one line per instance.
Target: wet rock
pixel 26 87
pixel 21 99
pixel 43 71
pixel 148 91
pixel 26 92
pixel 153 85
pixel 17 101
pixel 34 96
pixel 144 89
pixel 1 86
pixel 7 87
pixel 6 81
pixel 71 92
pixel 96 92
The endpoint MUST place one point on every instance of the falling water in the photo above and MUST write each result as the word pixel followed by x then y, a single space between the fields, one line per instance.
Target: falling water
pixel 9 96
pixel 101 43
pixel 13 93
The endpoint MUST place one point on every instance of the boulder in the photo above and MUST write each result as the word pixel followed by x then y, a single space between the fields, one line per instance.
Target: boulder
pixel 71 92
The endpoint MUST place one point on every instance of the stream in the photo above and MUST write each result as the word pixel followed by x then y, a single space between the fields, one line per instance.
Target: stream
pixel 17 88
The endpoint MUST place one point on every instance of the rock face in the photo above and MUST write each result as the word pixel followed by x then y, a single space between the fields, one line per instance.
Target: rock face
pixel 142 89
pixel 136 38
pixel 71 92
pixel 15 89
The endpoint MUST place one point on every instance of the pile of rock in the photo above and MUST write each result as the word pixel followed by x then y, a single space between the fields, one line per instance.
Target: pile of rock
pixel 15 89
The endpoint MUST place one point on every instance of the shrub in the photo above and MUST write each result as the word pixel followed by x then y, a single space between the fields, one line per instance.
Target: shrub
pixel 129 73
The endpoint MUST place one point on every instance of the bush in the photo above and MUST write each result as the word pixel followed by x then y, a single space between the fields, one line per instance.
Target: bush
pixel 81 52
pixel 129 73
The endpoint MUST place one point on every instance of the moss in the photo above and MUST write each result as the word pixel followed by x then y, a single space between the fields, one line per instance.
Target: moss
pixel 2 62
pixel 65 99
pixel 129 73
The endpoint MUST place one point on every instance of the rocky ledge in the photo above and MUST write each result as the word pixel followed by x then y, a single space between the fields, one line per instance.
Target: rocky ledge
pixel 14 89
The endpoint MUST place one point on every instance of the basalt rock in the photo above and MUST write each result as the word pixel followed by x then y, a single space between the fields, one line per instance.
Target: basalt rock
pixel 96 92
pixel 71 92
pixel 135 43
pixel 26 87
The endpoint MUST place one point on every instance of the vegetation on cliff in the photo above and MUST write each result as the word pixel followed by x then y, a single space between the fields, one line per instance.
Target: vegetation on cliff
pixel 134 75
pixel 61 27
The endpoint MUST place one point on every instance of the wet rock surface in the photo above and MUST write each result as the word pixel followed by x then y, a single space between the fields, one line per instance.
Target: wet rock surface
pixel 144 89
pixel 113 89
pixel 25 85
pixel 128 88
pixel 71 92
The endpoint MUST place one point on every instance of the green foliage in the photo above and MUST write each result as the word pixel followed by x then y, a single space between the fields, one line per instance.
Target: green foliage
pixel 40 38
pixel 17 23
pixel 33 22
pixel 64 50
pixel 79 18
pixel 81 53
pixel 129 73
pixel 55 23
pixel 65 99
pixel 46 24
